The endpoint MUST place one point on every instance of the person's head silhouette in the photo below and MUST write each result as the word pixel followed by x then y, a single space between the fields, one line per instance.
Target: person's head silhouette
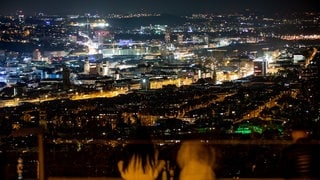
pixel 196 161
pixel 140 157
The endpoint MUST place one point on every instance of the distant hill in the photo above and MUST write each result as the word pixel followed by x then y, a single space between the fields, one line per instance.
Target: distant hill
pixel 164 19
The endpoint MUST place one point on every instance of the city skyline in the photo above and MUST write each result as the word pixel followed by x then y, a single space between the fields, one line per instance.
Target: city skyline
pixel 79 78
pixel 172 7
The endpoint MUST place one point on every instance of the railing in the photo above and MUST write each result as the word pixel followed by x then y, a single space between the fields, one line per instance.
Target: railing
pixel 96 160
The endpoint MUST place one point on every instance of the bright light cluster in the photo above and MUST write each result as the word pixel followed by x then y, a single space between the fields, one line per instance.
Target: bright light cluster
pixel 300 37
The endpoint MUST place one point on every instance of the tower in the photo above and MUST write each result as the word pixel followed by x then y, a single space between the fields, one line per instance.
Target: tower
pixel 66 78
pixel 167 37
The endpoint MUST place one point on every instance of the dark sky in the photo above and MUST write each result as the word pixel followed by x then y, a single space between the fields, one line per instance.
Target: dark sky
pixel 159 6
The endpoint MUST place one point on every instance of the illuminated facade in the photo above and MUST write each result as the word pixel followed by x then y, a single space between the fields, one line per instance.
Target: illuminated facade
pixel 86 66
pixel 20 15
pixel 259 67
pixel 36 55
pixel 145 83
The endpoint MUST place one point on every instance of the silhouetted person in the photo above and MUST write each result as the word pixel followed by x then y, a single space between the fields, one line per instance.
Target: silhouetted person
pixel 140 158
pixel 3 164
pixel 5 171
pixel 301 159
pixel 196 161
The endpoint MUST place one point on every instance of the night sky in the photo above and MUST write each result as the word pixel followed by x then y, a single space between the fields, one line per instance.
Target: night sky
pixel 8 7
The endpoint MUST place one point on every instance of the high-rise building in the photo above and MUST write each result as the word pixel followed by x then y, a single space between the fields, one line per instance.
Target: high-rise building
pixel 66 77
pixel 260 67
pixel 86 67
pixel 105 69
pixel 167 37
pixel 117 75
pixel 206 39
pixel 20 15
pixel 180 38
pixel 36 55
pixel 145 83
pixel 99 66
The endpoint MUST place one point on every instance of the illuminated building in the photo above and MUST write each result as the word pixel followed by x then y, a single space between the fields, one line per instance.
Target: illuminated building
pixel 180 38
pixel 20 15
pixel 145 83
pixel 259 67
pixel 117 75
pixel 206 39
pixel 105 69
pixel 99 66
pixel 167 37
pixel 36 55
pixel 86 66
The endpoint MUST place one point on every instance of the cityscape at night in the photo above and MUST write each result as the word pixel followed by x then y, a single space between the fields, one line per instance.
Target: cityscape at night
pixel 80 81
